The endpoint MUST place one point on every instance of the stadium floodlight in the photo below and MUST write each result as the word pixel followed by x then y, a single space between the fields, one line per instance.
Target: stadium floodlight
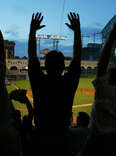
pixel 54 37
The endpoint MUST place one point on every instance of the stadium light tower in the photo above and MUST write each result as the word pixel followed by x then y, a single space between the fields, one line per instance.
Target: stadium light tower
pixel 94 35
pixel 55 39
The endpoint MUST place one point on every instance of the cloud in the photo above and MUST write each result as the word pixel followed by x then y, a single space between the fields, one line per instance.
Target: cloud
pixel 11 34
pixel 47 42
pixel 99 24
pixel 66 50
pixel 90 30
pixel 91 35
pixel 21 48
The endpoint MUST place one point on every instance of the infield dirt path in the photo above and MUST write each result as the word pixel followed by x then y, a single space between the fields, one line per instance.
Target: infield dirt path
pixel 74 116
pixel 81 90
pixel 76 106
pixel 86 91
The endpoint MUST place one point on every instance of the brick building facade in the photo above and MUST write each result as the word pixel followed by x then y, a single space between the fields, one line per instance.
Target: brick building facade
pixel 10 45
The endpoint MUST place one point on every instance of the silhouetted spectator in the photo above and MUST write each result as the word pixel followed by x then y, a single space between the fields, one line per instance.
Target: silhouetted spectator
pixel 8 133
pixel 79 133
pixel 17 117
pixel 25 126
pixel 102 140
pixel 20 95
pixel 53 93
pixel 82 120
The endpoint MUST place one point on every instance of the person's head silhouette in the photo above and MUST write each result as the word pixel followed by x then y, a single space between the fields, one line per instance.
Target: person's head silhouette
pixel 83 119
pixel 54 63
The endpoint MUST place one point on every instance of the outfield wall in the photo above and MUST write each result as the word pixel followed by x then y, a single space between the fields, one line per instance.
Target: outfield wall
pixel 15 67
pixel 22 63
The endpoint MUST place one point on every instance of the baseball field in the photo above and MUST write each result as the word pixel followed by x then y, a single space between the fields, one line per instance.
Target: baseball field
pixel 82 100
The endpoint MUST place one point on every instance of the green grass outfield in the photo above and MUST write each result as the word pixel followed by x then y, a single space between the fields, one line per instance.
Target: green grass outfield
pixel 86 83
pixel 22 84
pixel 79 98
pixel 85 109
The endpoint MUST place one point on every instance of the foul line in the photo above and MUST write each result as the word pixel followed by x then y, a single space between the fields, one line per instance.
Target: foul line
pixel 82 105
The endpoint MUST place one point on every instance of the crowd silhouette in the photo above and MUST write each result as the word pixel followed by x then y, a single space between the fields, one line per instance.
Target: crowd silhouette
pixel 53 132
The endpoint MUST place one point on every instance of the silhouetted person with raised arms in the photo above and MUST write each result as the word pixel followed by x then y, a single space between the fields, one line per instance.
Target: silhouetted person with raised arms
pixel 102 140
pixel 53 93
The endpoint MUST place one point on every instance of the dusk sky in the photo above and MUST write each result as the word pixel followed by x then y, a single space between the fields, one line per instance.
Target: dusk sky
pixel 16 15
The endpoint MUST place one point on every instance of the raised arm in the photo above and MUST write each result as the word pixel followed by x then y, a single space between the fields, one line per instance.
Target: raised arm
pixel 2 59
pixel 34 26
pixel 106 53
pixel 3 91
pixel 75 26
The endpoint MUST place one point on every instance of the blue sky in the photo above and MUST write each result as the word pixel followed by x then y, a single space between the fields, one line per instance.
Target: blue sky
pixel 16 15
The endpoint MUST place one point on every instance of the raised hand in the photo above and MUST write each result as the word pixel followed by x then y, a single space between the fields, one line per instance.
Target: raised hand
pixel 36 21
pixel 74 21
pixel 75 26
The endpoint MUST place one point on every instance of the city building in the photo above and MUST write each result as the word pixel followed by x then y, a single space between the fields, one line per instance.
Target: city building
pixel 9 46
pixel 91 52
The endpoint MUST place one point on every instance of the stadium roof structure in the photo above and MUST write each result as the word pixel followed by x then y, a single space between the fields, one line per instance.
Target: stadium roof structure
pixel 106 30
pixel 105 34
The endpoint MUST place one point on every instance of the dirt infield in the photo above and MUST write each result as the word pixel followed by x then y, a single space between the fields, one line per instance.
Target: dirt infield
pixel 74 116
pixel 29 92
pixel 29 95
pixel 81 90
pixel 86 91
pixel 76 106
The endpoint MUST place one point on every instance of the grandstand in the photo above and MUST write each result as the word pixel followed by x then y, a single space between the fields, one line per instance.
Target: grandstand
pixel 88 67
pixel 105 33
